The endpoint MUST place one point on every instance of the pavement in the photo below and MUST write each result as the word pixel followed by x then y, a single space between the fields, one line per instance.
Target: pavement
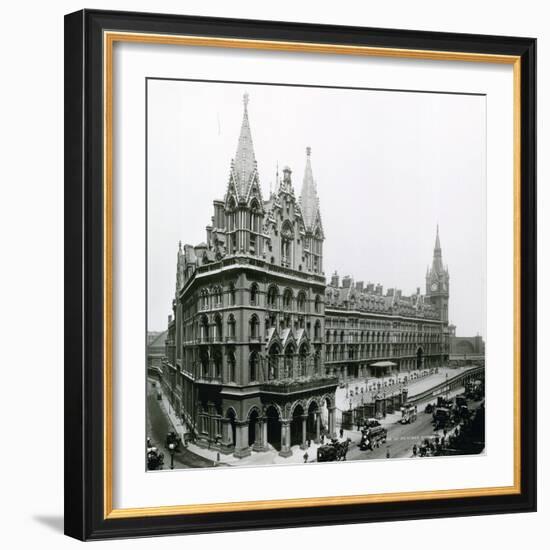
pixel 414 387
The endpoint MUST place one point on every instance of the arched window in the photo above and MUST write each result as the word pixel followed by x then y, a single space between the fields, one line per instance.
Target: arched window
pixel 231 214
pixel 253 366
pixel 204 299
pixel 317 330
pixel 301 302
pixel 205 363
pixel 254 328
pixel 217 363
pixel 254 294
pixel 218 332
pixel 289 360
pixel 287 236
pixel 217 296
pixel 231 294
pixel 318 304
pixel 273 362
pixel 204 329
pixel 272 296
pixel 287 299
pixel 231 327
pixel 231 366
pixel 302 360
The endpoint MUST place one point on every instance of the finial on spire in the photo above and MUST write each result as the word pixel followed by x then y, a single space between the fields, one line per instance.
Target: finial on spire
pixel 180 245
pixel 308 151
pixel 246 98
pixel 437 243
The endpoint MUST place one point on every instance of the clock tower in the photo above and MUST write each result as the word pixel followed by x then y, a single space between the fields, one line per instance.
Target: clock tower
pixel 437 282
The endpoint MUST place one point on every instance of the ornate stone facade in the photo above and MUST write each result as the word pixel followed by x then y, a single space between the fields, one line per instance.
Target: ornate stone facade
pixel 259 342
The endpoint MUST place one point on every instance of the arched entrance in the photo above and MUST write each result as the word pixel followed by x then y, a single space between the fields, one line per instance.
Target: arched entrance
pixel 296 425
pixel 252 426
pixel 419 358
pixel 273 427
pixel 311 428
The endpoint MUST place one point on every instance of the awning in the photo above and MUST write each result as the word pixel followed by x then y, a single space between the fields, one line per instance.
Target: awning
pixel 384 364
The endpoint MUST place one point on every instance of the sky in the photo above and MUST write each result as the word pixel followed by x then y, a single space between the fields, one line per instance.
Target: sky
pixel 389 167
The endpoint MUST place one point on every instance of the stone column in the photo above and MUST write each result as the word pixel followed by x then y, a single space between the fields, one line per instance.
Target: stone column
pixel 303 445
pixel 285 438
pixel 241 444
pixel 227 436
pixel 260 441
pixel 317 427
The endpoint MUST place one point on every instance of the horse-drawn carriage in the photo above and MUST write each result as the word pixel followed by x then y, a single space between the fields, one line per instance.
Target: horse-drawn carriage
pixel 333 451
pixel 155 459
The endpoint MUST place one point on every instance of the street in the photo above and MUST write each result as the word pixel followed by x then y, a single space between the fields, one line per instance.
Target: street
pixel 158 426
pixel 401 437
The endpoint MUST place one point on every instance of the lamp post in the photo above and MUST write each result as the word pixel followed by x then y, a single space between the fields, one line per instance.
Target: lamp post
pixel 172 449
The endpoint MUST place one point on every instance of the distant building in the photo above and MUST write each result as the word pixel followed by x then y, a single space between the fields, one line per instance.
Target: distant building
pixel 468 346
pixel 259 342
pixel 156 350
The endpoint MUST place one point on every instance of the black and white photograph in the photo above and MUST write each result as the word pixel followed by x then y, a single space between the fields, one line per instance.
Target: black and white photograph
pixel 316 274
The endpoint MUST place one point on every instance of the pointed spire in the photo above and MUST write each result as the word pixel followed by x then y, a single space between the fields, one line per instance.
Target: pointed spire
pixel 309 201
pixel 437 243
pixel 437 263
pixel 244 164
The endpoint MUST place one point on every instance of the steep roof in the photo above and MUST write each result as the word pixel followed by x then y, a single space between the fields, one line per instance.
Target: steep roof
pixel 244 164
pixel 157 340
pixel 309 201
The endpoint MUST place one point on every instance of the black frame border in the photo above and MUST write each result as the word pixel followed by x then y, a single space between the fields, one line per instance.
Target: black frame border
pixel 84 253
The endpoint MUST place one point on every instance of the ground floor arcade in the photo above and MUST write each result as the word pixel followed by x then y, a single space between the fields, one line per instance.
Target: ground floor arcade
pixel 265 423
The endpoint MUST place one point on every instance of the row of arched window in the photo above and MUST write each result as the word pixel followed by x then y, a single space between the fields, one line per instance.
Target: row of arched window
pixel 213 298
pixel 370 351
pixel 374 337
pixel 213 332
pixel 288 364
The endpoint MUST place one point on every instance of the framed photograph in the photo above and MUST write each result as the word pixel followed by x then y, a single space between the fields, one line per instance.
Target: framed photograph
pixel 300 282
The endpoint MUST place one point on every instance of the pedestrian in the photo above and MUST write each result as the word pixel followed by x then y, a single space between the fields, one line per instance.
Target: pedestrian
pixel 306 456
pixel 415 450
pixel 323 439
pixel 341 432
pixel 308 442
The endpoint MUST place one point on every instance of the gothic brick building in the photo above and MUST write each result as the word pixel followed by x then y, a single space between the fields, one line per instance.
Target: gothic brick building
pixel 258 342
